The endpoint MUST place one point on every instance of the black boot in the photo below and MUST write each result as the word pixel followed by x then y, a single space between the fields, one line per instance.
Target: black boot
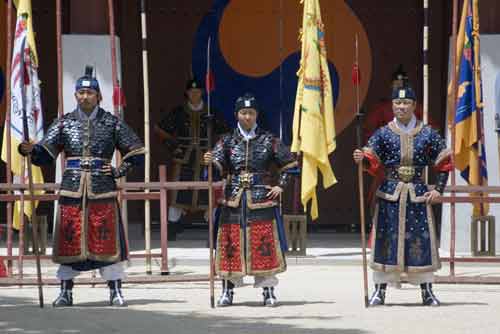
pixel 378 297
pixel 269 297
pixel 428 297
pixel 65 297
pixel 115 293
pixel 226 298
pixel 172 231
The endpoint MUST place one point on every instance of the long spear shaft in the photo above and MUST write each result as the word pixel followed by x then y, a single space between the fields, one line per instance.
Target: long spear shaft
pixel 34 220
pixel 451 126
pixel 147 164
pixel 210 182
pixel 117 108
pixel 359 117
pixel 425 53
pixel 8 134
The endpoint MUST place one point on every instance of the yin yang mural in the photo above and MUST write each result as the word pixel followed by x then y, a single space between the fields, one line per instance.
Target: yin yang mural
pixel 255 48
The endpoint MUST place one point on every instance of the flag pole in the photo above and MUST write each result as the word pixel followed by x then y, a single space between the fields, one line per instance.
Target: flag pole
pixel 117 108
pixel 451 127
pixel 34 219
pixel 210 180
pixel 8 97
pixel 479 97
pixel 60 97
pixel 359 116
pixel 147 165
pixel 112 44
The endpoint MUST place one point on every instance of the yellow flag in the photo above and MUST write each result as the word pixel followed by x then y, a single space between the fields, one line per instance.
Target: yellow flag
pixel 24 7
pixel 468 114
pixel 25 96
pixel 313 120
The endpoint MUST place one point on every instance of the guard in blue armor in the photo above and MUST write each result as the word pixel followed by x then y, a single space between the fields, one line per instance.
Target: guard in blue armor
pixel 89 233
pixel 404 242
pixel 250 237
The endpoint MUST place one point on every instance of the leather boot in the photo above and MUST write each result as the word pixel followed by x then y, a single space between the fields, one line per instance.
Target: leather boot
pixel 269 297
pixel 226 298
pixel 378 296
pixel 115 293
pixel 428 297
pixel 65 297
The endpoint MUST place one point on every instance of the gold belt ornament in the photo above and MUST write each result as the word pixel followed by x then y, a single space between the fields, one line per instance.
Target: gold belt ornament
pixel 245 179
pixel 406 173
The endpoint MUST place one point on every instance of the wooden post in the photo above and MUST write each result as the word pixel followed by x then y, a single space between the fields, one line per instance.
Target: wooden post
pixel 163 220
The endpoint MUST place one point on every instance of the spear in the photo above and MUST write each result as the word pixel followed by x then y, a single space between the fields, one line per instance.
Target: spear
pixel 208 87
pixel 145 76
pixel 359 115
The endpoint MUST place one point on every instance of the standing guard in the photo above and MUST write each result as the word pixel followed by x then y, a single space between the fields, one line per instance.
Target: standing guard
pixel 250 236
pixel 184 131
pixel 89 233
pixel 404 239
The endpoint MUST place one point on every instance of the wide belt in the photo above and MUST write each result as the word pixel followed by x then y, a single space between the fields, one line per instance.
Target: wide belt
pixel 86 164
pixel 245 179
pixel 405 174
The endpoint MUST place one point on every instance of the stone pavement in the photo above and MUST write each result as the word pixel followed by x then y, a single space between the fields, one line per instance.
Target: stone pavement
pixel 318 294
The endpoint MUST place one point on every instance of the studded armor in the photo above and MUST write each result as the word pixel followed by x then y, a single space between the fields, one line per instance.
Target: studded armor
pixel 88 144
pixel 404 228
pixel 248 164
pixel 188 140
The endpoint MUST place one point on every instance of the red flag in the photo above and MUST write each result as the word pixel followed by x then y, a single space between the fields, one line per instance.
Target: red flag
pixel 119 97
pixel 210 81
pixel 356 75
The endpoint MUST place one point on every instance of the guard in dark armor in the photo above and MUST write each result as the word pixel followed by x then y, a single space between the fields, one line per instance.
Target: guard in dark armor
pixel 89 232
pixel 404 240
pixel 184 133
pixel 250 233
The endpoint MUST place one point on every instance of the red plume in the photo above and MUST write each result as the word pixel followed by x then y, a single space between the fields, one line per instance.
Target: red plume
pixel 356 75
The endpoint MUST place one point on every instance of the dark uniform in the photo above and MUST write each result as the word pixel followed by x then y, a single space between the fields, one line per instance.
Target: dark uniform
pixel 250 238
pixel 89 233
pixel 187 127
pixel 404 240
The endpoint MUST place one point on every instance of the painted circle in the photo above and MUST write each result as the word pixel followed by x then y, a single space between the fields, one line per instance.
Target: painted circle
pixel 251 42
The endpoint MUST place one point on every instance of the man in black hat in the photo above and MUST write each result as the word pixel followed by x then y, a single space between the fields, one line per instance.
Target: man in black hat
pixel 184 132
pixel 88 233
pixel 404 239
pixel 250 233
pixel 381 113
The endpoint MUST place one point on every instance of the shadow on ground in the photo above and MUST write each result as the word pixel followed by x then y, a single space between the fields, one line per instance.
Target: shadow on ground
pixel 22 316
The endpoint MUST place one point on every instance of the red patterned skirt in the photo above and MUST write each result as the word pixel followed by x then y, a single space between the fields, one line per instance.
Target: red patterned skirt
pixel 248 243
pixel 89 231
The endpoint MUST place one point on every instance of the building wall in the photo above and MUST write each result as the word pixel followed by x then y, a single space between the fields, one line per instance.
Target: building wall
pixel 394 30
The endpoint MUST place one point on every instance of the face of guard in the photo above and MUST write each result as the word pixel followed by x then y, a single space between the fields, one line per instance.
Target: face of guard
pixel 403 109
pixel 247 117
pixel 194 96
pixel 397 83
pixel 87 99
